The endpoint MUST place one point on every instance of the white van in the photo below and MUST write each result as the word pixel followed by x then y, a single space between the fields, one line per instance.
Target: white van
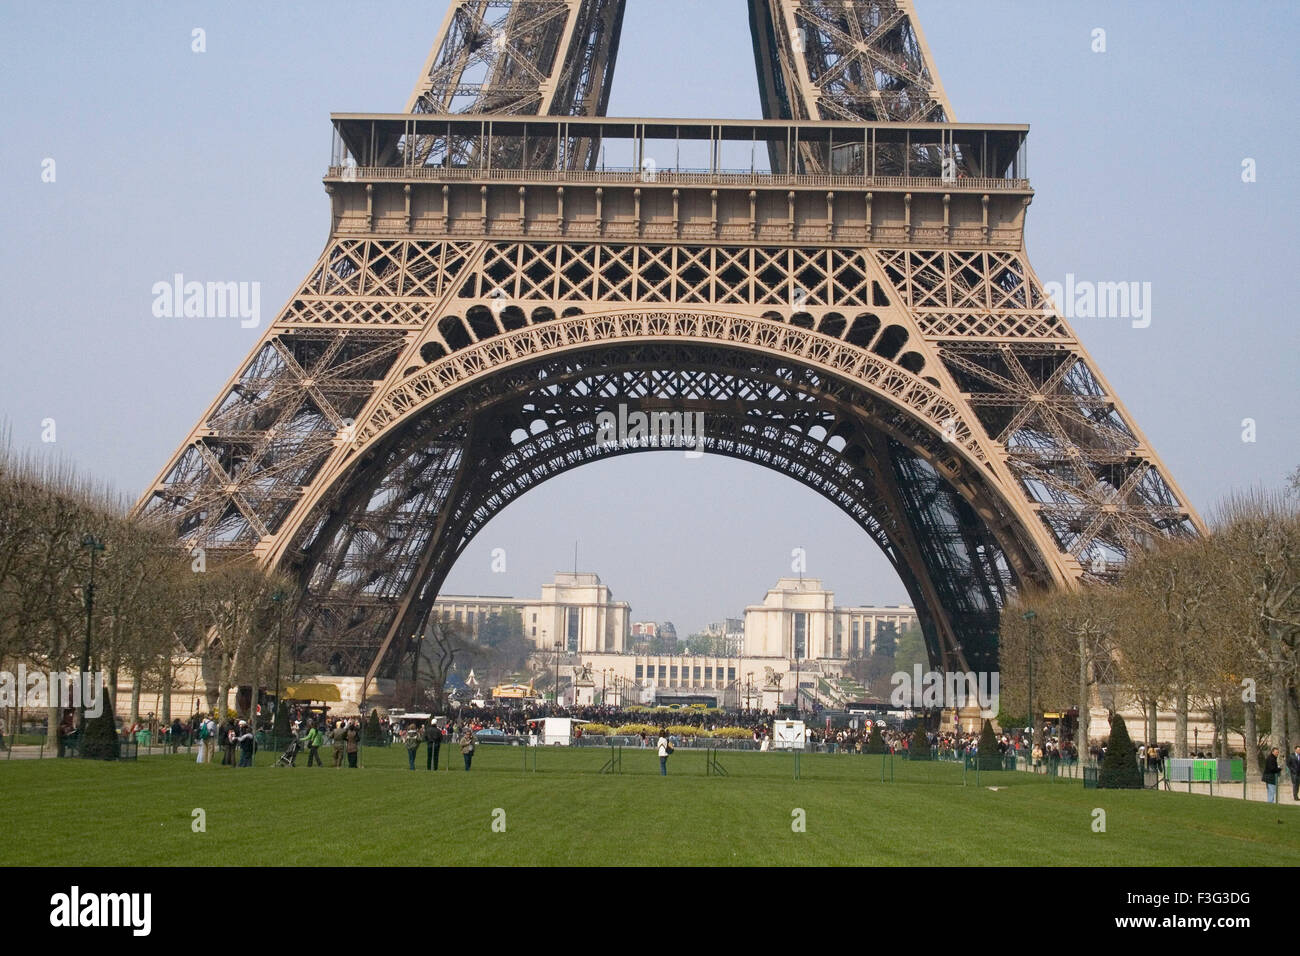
pixel 557 731
pixel 788 735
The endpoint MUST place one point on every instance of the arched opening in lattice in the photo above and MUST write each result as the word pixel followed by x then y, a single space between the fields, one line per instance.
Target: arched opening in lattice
pixel 452 464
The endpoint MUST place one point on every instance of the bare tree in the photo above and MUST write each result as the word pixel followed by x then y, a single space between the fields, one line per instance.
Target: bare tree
pixel 1168 634
pixel 441 642
pixel 1258 556
pixel 1066 637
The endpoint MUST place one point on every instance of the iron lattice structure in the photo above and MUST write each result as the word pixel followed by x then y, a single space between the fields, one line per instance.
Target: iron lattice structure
pixel 861 316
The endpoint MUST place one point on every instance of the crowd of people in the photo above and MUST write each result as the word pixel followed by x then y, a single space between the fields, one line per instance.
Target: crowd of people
pixel 312 731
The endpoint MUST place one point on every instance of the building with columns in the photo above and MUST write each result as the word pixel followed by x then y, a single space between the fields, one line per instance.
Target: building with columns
pixel 798 620
pixel 575 609
pixel 796 634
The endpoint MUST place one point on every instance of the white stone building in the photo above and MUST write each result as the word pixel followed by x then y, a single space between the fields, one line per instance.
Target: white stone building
pixel 575 609
pixel 798 619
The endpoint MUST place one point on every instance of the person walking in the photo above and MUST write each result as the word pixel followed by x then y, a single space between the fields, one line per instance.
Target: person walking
pixel 314 739
pixel 467 746
pixel 1271 772
pixel 432 743
pixel 1293 768
pixel 665 748
pixel 412 745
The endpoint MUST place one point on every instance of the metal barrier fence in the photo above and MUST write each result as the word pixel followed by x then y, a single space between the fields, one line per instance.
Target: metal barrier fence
pixel 1212 778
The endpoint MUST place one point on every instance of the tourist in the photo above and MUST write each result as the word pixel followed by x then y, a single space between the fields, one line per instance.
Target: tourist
pixel 665 748
pixel 228 736
pixel 314 740
pixel 339 737
pixel 245 740
pixel 352 742
pixel 467 746
pixel 1271 772
pixel 1293 768
pixel 412 745
pixel 432 744
pixel 210 722
pixel 203 742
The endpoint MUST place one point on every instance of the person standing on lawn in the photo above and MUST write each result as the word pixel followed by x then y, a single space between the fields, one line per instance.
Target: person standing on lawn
pixel 432 743
pixel 412 745
pixel 340 737
pixel 204 734
pixel 665 748
pixel 1271 772
pixel 1293 768
pixel 467 746
pixel 353 741
pixel 245 741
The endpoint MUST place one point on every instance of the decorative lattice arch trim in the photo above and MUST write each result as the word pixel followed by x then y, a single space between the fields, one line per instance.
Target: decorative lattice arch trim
pixel 881 377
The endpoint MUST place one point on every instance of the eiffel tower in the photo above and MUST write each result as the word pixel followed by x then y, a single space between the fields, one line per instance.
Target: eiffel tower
pixel 852 307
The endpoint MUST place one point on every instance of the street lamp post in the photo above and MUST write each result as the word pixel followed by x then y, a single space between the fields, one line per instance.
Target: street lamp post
pixel 556 695
pixel 1029 654
pixel 277 598
pixel 94 545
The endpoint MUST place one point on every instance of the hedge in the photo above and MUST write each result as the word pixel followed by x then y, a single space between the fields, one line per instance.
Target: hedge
pixel 632 730
pixel 683 730
pixel 734 733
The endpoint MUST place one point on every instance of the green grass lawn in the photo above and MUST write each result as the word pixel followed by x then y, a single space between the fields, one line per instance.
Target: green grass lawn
pixel 73 813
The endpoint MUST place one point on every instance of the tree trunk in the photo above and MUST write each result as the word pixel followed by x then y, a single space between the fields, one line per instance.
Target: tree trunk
pixel 1220 711
pixel 1251 735
pixel 1084 701
pixel 223 687
pixel 1153 722
pixel 1292 720
pixel 135 698
pixel 252 698
pixel 1180 724
pixel 165 706
pixel 1277 691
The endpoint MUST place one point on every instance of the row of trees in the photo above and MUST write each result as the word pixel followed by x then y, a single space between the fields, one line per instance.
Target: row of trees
pixel 151 600
pixel 1208 625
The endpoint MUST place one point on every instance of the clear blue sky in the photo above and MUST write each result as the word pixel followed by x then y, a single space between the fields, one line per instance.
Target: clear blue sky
pixel 209 165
